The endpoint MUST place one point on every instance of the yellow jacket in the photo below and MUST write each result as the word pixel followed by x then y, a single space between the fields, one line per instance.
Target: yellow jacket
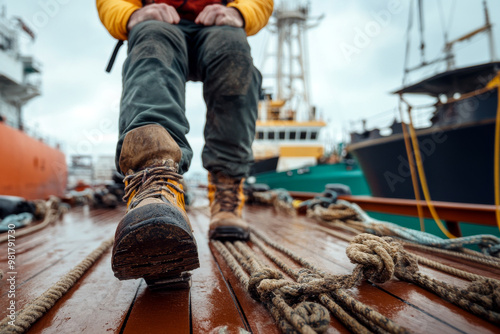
pixel 114 14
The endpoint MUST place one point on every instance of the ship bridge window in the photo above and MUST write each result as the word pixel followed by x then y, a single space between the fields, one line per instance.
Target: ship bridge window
pixel 314 135
pixel 303 135
pixel 281 135
pixel 260 135
pixel 293 135
pixel 270 135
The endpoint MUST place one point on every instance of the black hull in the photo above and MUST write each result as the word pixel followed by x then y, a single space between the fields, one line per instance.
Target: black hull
pixel 264 166
pixel 458 164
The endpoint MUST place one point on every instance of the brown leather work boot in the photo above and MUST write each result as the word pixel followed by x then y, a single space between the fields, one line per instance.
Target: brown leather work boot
pixel 226 205
pixel 154 239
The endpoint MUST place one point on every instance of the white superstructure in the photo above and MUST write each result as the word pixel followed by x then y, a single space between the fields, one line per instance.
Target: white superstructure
pixel 19 74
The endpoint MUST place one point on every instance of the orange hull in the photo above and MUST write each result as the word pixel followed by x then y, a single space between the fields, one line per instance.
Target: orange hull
pixel 28 167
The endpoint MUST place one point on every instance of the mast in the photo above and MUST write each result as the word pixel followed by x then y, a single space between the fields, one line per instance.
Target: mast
pixel 490 31
pixel 421 25
pixel 449 56
pixel 291 23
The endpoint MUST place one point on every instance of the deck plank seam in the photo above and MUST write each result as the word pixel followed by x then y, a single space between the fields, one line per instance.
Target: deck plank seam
pixel 233 296
pixel 42 270
pixel 124 324
pixel 236 302
pixel 190 314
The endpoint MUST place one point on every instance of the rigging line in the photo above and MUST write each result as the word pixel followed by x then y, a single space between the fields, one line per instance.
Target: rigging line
pixel 442 20
pixel 452 13
pixel 408 42
pixel 497 160
pixel 411 162
pixel 421 174
pixel 421 23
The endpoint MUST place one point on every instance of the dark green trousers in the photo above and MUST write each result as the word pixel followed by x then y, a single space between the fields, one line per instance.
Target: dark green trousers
pixel 161 58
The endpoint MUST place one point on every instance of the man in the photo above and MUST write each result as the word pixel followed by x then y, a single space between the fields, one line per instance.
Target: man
pixel 169 43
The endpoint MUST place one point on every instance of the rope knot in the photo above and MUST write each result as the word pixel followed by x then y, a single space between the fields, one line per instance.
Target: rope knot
pixel 315 315
pixel 307 276
pixel 377 256
pixel 256 291
pixel 489 288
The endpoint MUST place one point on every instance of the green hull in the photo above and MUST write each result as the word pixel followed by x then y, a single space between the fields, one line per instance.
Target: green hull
pixel 314 178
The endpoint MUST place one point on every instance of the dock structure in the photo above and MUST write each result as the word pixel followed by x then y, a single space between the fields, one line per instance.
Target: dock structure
pixel 216 301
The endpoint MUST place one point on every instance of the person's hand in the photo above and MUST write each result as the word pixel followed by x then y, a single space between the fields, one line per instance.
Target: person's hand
pixel 155 11
pixel 219 15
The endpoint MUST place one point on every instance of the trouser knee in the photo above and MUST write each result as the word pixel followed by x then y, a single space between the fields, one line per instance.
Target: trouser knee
pixel 156 39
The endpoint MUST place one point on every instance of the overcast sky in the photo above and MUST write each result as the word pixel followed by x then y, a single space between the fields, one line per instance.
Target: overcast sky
pixel 356 58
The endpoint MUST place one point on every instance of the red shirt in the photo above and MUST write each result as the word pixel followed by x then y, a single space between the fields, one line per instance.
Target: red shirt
pixel 187 9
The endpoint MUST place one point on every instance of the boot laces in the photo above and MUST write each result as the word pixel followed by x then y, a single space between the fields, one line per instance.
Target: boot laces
pixel 150 182
pixel 227 196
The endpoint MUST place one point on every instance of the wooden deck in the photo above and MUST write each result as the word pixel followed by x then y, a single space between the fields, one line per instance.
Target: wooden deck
pixel 99 303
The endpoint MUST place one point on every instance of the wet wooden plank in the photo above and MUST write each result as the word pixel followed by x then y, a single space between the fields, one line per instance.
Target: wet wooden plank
pixel 213 306
pixel 98 303
pixel 97 295
pixel 159 312
pixel 66 244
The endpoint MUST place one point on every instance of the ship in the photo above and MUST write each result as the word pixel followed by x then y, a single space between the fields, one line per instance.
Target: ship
pixel 287 145
pixel 30 168
pixel 456 147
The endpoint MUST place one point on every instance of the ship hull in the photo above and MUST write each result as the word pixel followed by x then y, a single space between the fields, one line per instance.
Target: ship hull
pixel 314 178
pixel 457 161
pixel 30 168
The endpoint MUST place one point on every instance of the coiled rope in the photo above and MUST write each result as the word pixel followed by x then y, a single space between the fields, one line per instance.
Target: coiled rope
pixel 26 317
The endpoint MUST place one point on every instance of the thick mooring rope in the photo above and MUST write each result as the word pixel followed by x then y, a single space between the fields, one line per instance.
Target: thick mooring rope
pixel 303 318
pixel 363 223
pixel 365 314
pixel 26 317
pixel 480 258
pixel 378 260
pixel 266 284
pixel 482 297
pixel 420 259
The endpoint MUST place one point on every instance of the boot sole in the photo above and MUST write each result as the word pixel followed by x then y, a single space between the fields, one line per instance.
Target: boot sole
pixel 155 244
pixel 229 233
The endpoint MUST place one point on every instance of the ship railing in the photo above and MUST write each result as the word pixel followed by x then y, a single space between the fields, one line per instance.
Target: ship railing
pixel 452 213
pixel 384 120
